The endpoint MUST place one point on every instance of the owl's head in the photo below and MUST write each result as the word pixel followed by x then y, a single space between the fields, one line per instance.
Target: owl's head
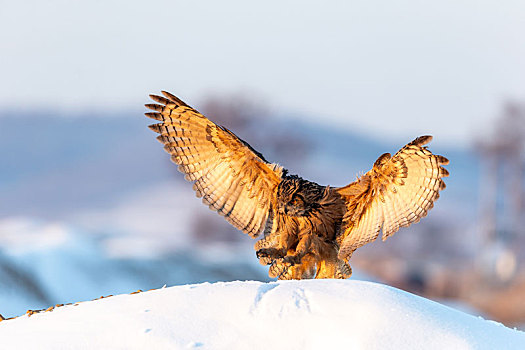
pixel 297 197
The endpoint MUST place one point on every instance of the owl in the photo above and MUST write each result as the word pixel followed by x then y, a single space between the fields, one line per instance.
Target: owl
pixel 305 230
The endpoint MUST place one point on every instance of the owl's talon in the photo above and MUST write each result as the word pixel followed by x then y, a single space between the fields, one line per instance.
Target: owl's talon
pixel 289 260
pixel 271 253
pixel 265 257
pixel 265 261
pixel 262 253
pixel 292 260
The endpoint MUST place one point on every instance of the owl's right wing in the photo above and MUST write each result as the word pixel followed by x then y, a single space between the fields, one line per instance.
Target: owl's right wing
pixel 230 176
pixel 397 192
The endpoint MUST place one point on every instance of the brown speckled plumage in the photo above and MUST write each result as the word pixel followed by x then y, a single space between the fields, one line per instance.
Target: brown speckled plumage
pixel 309 230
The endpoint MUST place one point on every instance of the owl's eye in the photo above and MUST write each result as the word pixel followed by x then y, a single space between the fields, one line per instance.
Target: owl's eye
pixel 297 201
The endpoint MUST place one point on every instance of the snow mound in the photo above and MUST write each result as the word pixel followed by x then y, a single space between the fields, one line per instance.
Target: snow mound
pixel 311 314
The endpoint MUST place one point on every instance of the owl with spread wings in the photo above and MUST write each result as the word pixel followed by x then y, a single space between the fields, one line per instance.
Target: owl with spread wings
pixel 308 230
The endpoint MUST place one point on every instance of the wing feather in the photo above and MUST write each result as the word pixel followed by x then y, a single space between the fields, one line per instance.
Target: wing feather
pixel 231 177
pixel 397 192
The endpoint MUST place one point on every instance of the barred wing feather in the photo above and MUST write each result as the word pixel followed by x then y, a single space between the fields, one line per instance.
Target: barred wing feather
pixel 397 192
pixel 230 176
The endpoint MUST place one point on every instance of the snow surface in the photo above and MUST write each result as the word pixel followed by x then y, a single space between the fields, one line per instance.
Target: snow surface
pixel 310 314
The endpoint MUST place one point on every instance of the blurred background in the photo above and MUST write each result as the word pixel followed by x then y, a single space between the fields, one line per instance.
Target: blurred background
pixel 90 204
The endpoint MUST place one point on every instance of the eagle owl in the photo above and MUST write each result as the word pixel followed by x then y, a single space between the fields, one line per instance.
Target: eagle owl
pixel 308 230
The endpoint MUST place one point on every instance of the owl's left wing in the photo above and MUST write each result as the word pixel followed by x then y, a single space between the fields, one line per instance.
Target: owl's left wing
pixel 397 192
pixel 230 176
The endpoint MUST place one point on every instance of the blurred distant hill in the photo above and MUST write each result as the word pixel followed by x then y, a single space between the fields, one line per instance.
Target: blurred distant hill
pixel 53 166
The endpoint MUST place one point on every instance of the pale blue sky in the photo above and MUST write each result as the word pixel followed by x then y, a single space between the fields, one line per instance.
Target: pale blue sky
pixel 395 68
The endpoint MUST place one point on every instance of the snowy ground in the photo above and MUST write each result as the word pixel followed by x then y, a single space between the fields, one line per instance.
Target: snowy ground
pixel 311 314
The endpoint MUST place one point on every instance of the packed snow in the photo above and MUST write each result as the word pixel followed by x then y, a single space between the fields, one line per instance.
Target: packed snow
pixel 308 314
